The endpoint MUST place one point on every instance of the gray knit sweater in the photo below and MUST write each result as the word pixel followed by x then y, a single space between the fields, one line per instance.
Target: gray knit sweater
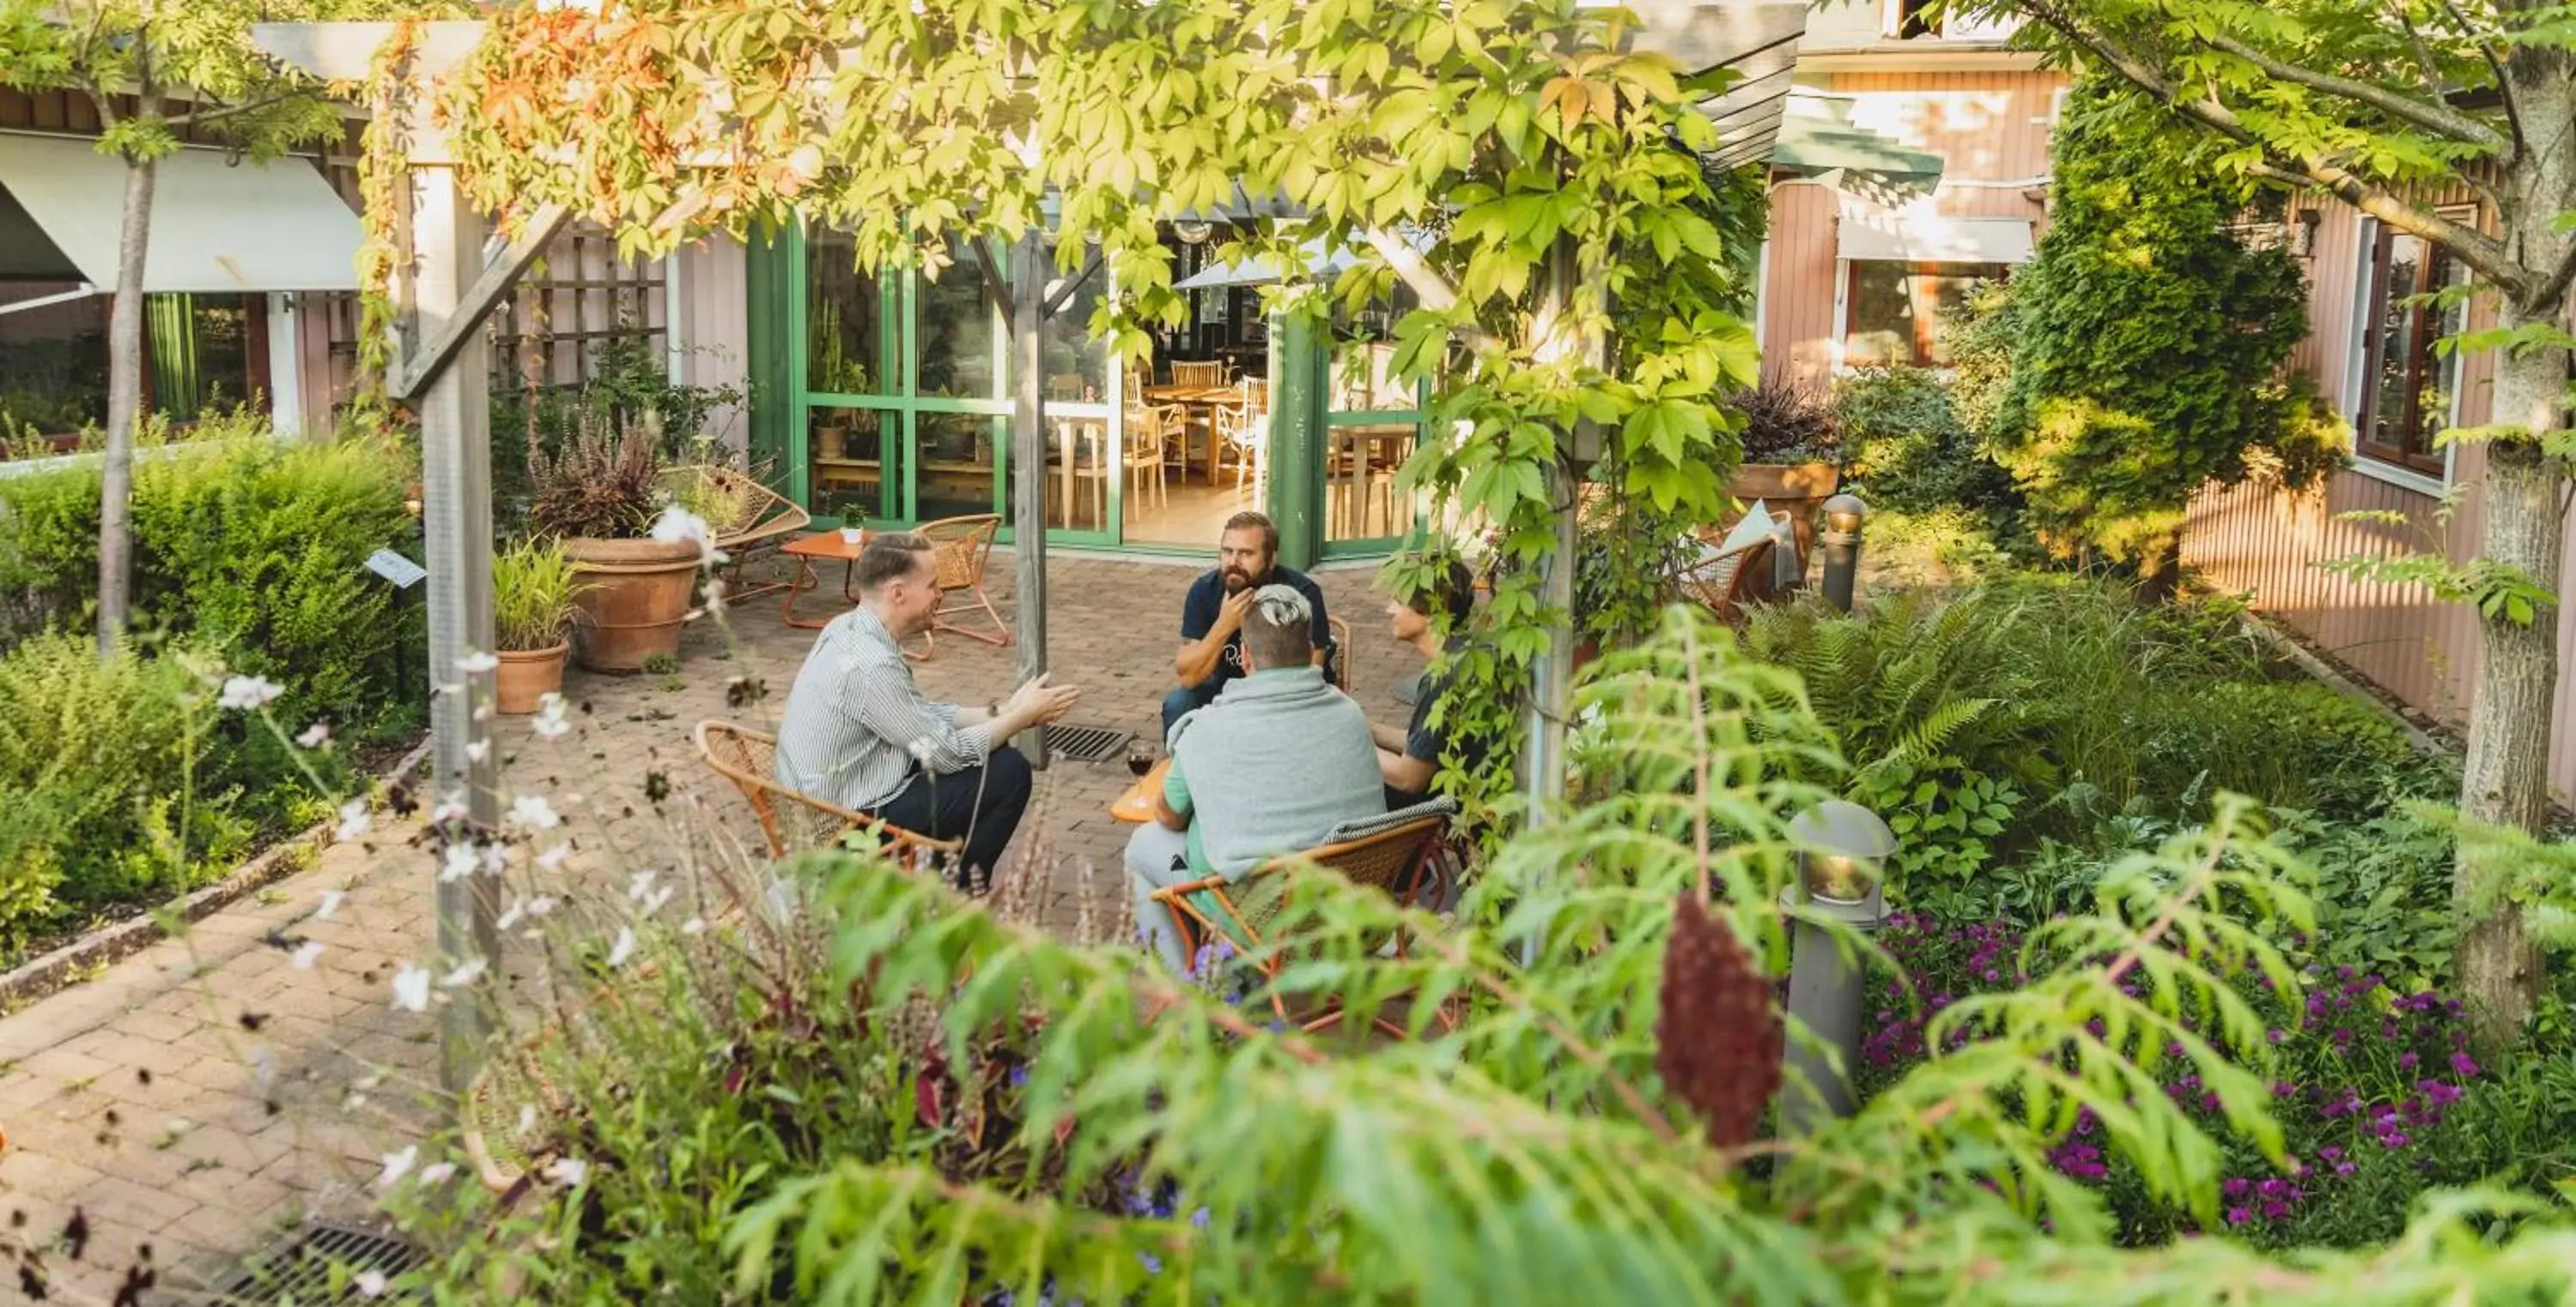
pixel 1279 760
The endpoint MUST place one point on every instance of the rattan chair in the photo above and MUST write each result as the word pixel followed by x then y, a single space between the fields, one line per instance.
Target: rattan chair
pixel 1397 859
pixel 1205 376
pixel 962 547
pixel 1728 580
pixel 791 820
pixel 1342 651
pixel 760 521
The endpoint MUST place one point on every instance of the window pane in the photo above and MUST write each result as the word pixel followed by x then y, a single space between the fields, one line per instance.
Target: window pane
pixel 53 362
pixel 1940 296
pixel 1077 365
pixel 848 459
pixel 953 465
pixel 2393 353
pixel 1880 314
pixel 222 327
pixel 2441 374
pixel 959 338
pixel 843 341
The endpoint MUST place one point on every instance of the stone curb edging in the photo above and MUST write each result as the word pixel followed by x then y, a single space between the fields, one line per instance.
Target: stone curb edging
pixel 50 974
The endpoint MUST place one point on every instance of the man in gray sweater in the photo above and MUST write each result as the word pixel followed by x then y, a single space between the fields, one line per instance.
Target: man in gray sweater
pixel 1272 766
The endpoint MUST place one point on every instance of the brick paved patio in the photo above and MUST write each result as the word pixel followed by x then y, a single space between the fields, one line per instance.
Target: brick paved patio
pixel 140 1099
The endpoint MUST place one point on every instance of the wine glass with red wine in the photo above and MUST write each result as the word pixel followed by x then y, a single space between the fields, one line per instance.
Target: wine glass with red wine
pixel 1140 757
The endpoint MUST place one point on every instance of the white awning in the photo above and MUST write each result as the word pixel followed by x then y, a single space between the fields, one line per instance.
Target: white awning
pixel 1916 234
pixel 216 227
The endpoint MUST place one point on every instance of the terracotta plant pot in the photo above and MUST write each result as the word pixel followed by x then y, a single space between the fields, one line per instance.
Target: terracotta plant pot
pixel 634 595
pixel 527 676
pixel 1798 489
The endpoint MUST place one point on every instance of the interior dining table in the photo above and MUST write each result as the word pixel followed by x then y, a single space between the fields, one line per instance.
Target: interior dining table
pixel 1203 401
pixel 1359 453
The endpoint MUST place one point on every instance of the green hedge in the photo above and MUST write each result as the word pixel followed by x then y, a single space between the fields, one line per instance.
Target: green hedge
pixel 118 784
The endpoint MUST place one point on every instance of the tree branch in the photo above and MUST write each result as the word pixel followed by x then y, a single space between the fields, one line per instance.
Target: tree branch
pixel 2504 84
pixel 2436 118
pixel 2481 252
pixel 1417 273
pixel 218 113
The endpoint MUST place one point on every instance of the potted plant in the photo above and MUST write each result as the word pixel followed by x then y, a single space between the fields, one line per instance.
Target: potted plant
pixel 533 591
pixel 599 496
pixel 1792 459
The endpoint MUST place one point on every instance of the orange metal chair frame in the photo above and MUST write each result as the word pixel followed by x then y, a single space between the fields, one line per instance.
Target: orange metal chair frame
pixel 962 546
pixel 1398 860
pixel 745 757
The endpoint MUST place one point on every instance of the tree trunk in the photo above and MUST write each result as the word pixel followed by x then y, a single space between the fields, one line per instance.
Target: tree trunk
pixel 2504 781
pixel 124 409
pixel 2160 571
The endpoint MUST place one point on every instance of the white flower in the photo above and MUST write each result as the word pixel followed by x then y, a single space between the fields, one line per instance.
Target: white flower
pixel 398 1165
pixel 467 974
pixel 370 1283
pixel 677 524
pixel 496 859
pixel 653 902
pixel 248 693
pixel 476 663
pixel 568 1171
pixel 540 905
pixel 331 899
pixel 639 885
pixel 462 858
pixel 624 948
pixel 477 750
pixel 920 750
pixel 553 858
pixel 306 955
pixel 354 820
pixel 411 989
pixel 715 594
pixel 437 1173
pixel 510 915
pixel 315 735
pixel 527 1119
pixel 693 926
pixel 533 812
pixel 550 723
pixel 451 808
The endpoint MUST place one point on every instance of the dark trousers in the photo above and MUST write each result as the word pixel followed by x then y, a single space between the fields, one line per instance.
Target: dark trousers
pixel 1185 698
pixel 981 805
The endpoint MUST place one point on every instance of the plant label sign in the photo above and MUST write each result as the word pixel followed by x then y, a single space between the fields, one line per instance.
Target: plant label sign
pixel 393 567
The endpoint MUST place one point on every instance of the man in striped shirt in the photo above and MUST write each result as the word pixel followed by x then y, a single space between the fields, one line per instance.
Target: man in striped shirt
pixel 859 733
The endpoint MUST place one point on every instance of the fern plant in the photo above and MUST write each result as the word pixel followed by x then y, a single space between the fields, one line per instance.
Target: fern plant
pixel 959 1109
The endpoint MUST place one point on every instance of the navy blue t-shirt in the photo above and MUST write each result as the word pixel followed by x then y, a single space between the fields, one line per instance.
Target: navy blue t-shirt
pixel 1207 598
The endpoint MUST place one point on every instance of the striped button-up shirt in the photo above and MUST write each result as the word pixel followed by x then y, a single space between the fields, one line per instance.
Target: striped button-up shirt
pixel 856 727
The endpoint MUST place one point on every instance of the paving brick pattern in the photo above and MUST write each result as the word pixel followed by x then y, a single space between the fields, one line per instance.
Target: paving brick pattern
pixel 143 1099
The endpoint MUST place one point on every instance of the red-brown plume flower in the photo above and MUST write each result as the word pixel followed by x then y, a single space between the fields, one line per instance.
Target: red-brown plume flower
pixel 1717 1041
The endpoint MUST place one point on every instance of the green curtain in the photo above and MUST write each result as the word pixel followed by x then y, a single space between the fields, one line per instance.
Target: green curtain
pixel 171 320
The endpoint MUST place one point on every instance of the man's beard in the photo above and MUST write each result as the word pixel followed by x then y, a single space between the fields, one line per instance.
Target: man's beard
pixel 1237 580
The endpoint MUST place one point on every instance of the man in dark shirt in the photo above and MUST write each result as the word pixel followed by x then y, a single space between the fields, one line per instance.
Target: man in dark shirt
pixel 1408 759
pixel 1211 651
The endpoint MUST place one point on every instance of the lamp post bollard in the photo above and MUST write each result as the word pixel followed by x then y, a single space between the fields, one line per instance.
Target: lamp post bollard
pixel 1842 845
pixel 1840 540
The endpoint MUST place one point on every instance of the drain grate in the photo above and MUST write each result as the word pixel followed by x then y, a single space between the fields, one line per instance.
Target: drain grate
pixel 1087 743
pixel 298 1268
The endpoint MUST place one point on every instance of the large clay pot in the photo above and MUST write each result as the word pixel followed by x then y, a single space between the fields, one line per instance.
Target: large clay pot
pixel 1797 489
pixel 634 595
pixel 526 676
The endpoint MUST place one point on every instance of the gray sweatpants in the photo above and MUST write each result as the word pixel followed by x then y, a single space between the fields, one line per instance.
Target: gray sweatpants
pixel 1158 858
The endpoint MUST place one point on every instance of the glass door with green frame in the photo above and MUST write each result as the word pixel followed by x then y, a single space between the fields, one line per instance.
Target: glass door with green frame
pixel 848 460
pixel 1372 424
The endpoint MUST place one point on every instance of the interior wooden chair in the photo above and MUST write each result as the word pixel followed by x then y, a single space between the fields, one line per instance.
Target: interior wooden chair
pixel 1091 468
pixel 1244 433
pixel 1146 456
pixel 793 821
pixel 962 547
pixel 1726 581
pixel 1397 858
pixel 1204 376
pixel 761 519
pixel 1064 388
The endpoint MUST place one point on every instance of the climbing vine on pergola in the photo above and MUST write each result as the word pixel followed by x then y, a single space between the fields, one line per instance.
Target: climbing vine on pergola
pixel 1544 156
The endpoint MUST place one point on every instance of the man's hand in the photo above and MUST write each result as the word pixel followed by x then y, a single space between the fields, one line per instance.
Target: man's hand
pixel 1230 614
pixel 1037 703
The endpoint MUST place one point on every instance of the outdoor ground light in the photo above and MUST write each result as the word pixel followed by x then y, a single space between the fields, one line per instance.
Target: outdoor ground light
pixel 1843 516
pixel 1842 857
